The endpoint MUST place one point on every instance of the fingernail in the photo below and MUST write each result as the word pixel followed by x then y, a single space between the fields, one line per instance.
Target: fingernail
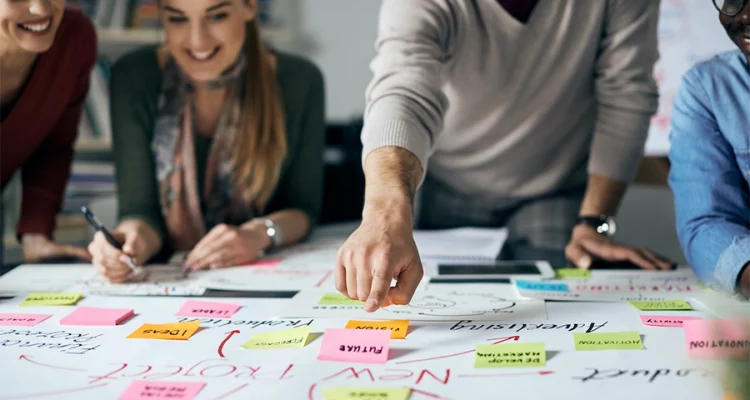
pixel 584 262
pixel 125 259
pixel 371 303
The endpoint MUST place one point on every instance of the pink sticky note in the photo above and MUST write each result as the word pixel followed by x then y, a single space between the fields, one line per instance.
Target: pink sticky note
pixel 22 319
pixel 92 316
pixel 270 263
pixel 139 390
pixel 671 321
pixel 717 338
pixel 195 308
pixel 354 345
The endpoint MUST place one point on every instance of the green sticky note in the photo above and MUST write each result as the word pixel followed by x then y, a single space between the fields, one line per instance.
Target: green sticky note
pixel 285 339
pixel 661 305
pixel 338 299
pixel 511 355
pixel 572 273
pixel 608 341
pixel 51 299
pixel 346 393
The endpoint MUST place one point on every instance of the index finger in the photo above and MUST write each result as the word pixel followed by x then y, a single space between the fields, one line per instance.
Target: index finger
pixel 381 284
pixel 406 284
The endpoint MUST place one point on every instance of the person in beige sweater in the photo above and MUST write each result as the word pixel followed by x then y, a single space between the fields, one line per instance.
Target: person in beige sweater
pixel 530 114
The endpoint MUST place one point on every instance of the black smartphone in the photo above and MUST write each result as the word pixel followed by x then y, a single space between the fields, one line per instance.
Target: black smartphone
pixel 624 265
pixel 496 269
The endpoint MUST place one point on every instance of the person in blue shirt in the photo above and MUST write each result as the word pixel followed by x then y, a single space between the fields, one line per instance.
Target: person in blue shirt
pixel 710 156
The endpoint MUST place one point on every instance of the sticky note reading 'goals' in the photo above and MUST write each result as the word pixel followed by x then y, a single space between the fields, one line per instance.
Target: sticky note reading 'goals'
pixel 608 341
pixel 352 345
pixel 512 355
pixel 22 319
pixel 51 299
pixel 174 331
pixel 663 305
pixel 398 328
pixel 351 393
pixel 285 339
pixel 195 308
pixel 92 316
pixel 338 299
pixel 162 390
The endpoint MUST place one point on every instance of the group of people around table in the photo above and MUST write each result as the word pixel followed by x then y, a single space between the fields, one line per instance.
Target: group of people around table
pixel 527 114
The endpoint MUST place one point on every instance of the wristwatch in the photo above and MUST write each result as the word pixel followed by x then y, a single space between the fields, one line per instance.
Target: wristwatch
pixel 604 224
pixel 273 233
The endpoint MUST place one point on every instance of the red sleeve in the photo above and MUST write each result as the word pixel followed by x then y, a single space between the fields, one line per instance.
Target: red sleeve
pixel 46 171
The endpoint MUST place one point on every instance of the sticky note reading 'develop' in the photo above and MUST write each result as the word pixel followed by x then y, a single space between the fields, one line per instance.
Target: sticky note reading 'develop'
pixel 174 331
pixel 92 316
pixel 353 345
pixel 195 308
pixel 511 355
pixel 338 299
pixel 662 305
pixel 284 339
pixel 358 393
pixel 139 390
pixel 608 341
pixel 667 321
pixel 398 328
pixel 22 319
pixel 51 299
pixel 572 273
pixel 718 339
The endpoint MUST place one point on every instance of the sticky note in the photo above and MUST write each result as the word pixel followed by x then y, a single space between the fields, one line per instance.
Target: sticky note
pixel 51 299
pixel 571 273
pixel 267 263
pixel 662 305
pixel 380 393
pixel 92 316
pixel 338 299
pixel 539 285
pixel 22 319
pixel 512 355
pixel 195 308
pixel 284 339
pixel 162 390
pixel 718 339
pixel 398 328
pixel 670 321
pixel 174 331
pixel 353 345
pixel 608 341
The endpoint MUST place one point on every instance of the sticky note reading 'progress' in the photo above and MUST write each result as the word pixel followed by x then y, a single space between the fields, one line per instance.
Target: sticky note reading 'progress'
pixel 51 299
pixel 608 341
pixel 174 331
pixel 285 339
pixel 162 390
pixel 398 328
pixel 718 339
pixel 92 316
pixel 512 355
pixel 348 393
pixel 663 305
pixel 338 299
pixel 667 321
pixel 194 308
pixel 22 319
pixel 351 345
pixel 572 273
pixel 548 286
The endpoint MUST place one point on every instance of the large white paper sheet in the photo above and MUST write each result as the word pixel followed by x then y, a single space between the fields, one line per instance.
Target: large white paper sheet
pixel 607 290
pixel 462 244
pixel 264 279
pixel 160 280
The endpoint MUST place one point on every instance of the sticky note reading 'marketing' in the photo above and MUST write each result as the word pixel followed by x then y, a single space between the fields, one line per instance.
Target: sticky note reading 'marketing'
pixel 608 341
pixel 398 328
pixel 379 393
pixel 718 339
pixel 662 305
pixel 338 299
pixel 351 345
pixel 670 321
pixel 51 299
pixel 285 339
pixel 174 331
pixel 139 390
pixel 22 319
pixel 194 308
pixel 512 355
pixel 572 273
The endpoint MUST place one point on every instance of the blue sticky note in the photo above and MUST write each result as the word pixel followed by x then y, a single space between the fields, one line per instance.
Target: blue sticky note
pixel 548 286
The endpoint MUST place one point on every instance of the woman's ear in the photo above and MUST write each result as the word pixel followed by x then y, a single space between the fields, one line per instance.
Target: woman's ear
pixel 251 9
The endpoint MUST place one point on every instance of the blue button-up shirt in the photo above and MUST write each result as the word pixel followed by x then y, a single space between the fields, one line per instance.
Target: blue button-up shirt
pixel 710 156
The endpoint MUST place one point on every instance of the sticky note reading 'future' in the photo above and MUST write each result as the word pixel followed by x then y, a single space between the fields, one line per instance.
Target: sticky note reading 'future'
pixel 663 305
pixel 285 339
pixel 22 319
pixel 572 273
pixel 398 328
pixel 139 390
pixel 718 339
pixel 351 345
pixel 349 393
pixel 51 299
pixel 512 355
pixel 92 316
pixel 338 299
pixel 668 321
pixel 608 341
pixel 195 308
pixel 547 286
pixel 174 331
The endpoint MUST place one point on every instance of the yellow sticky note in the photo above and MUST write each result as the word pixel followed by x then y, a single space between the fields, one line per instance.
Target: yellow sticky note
pixel 661 305
pixel 347 393
pixel 51 299
pixel 174 331
pixel 398 328
pixel 285 339
pixel 511 355
pixel 572 273
pixel 338 299
pixel 608 341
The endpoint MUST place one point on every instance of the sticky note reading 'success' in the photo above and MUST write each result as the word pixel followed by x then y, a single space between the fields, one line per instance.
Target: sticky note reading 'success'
pixel 608 341
pixel 174 331
pixel 511 355
pixel 398 328
pixel 338 299
pixel 162 390
pixel 51 299
pixel 284 339
pixel 22 319
pixel 195 308
pixel 663 305
pixel 353 345
pixel 359 393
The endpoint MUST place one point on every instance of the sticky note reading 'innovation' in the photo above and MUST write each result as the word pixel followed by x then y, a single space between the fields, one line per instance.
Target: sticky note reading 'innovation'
pixel 663 305
pixel 195 308
pixel 351 345
pixel 667 321
pixel 22 319
pixel 718 339
pixel 398 328
pixel 512 355
pixel 572 273
pixel 162 390
pixel 349 393
pixel 608 341
pixel 174 331
pixel 338 299
pixel 285 339
pixel 51 299
pixel 92 316
pixel 548 286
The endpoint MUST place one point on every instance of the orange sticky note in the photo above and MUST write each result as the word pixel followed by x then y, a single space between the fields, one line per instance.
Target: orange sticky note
pixel 174 331
pixel 398 328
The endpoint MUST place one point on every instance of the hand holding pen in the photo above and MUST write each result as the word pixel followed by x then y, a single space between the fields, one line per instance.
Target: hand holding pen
pixel 116 254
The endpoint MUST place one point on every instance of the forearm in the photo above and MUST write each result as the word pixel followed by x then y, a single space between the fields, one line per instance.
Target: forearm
pixel 292 224
pixel 150 235
pixel 392 176
pixel 603 196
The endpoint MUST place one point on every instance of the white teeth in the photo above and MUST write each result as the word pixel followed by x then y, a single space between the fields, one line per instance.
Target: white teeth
pixel 37 27
pixel 204 55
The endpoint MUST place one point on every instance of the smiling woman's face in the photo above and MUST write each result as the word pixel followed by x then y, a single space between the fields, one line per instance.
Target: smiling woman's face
pixel 738 29
pixel 30 25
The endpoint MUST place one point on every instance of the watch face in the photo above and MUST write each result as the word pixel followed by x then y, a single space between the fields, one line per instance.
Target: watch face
pixel 608 227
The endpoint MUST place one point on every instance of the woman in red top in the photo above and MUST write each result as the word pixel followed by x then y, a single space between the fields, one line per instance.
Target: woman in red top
pixel 46 56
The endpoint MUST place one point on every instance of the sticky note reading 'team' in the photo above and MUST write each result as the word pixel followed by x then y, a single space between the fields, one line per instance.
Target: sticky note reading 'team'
pixel 398 328
pixel 195 308
pixel 572 273
pixel 51 299
pixel 608 341
pixel 92 316
pixel 380 393
pixel 162 390
pixel 284 339
pixel 22 319
pixel 540 285
pixel 352 345
pixel 662 305
pixel 338 299
pixel 511 355
pixel 174 331
pixel 670 321
pixel 718 339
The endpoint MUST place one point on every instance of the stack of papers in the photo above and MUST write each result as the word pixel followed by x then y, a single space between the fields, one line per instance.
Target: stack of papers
pixel 462 244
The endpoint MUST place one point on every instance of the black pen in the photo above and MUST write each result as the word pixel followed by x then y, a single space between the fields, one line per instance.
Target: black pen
pixel 96 224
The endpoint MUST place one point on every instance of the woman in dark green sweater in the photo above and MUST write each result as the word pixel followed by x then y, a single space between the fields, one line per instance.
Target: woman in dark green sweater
pixel 218 143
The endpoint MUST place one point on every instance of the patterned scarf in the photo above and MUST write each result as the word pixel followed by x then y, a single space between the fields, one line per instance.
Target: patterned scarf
pixel 173 148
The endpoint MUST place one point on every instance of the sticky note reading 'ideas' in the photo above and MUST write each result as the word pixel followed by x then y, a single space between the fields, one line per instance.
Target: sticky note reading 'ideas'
pixel 663 305
pixel 546 286
pixel 162 390
pixel 195 308
pixel 51 299
pixel 572 273
pixel 92 316
pixel 608 341
pixel 398 328
pixel 512 355
pixel 348 393
pixel 351 345
pixel 718 339
pixel 338 299
pixel 668 321
pixel 285 339
pixel 174 331
pixel 22 319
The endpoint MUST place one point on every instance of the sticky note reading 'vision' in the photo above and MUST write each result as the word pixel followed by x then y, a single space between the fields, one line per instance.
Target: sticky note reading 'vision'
pixel 663 305
pixel 547 286
pixel 174 331
pixel 195 308
pixel 338 299
pixel 572 273
pixel 51 299
pixel 139 390
pixel 351 345
pixel 718 339
pixel 510 355
pixel 348 393
pixel 22 319
pixel 92 316
pixel 608 341
pixel 669 321
pixel 398 328
pixel 285 339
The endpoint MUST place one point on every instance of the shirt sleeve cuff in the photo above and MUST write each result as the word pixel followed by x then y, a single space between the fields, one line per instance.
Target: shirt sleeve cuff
pixel 730 264
pixel 38 212
pixel 396 133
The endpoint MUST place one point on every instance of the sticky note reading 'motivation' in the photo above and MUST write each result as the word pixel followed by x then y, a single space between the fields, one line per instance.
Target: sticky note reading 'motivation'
pixel 92 316
pixel 352 345
pixel 349 393
pixel 669 321
pixel 22 319
pixel 608 341
pixel 285 339
pixel 51 299
pixel 398 328
pixel 194 308
pixel 174 331
pixel 512 355
pixel 718 338
pixel 546 286
pixel 572 273
pixel 338 299
pixel 662 305
pixel 139 390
